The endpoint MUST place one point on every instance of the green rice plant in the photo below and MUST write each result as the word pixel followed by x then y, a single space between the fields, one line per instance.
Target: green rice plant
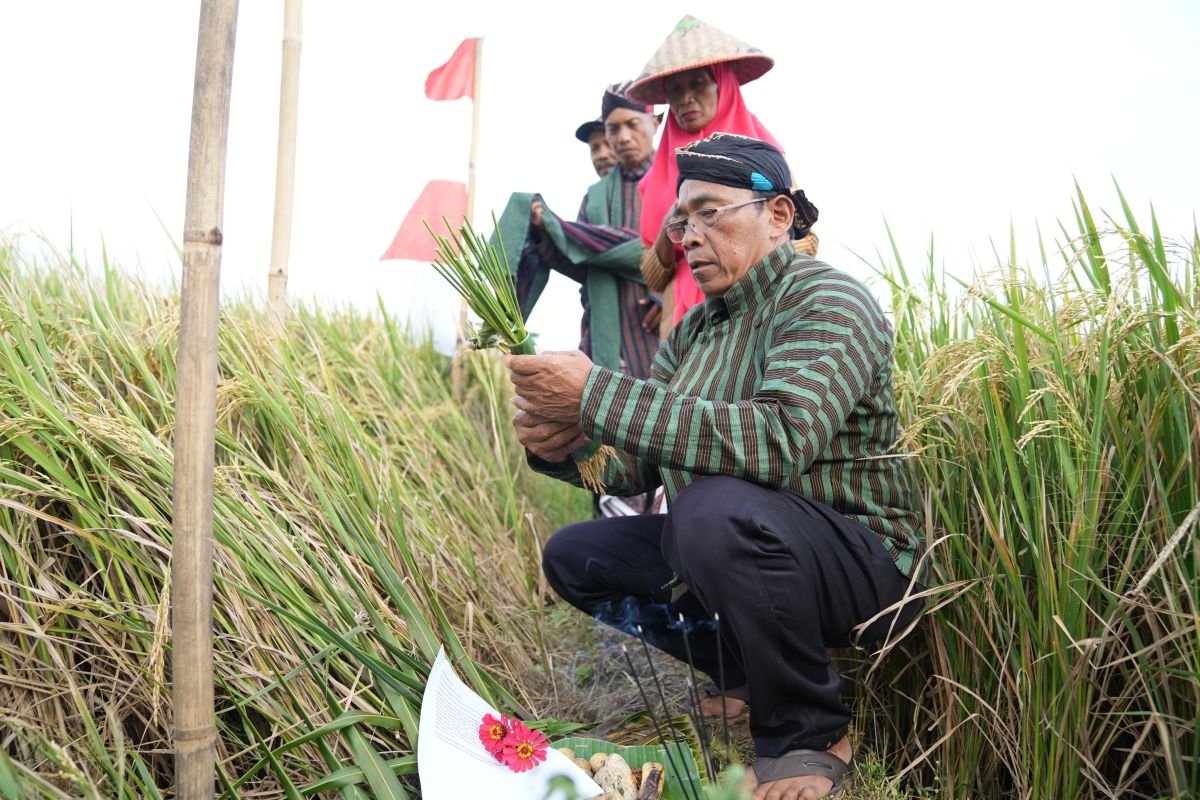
pixel 364 517
pixel 1052 420
pixel 480 273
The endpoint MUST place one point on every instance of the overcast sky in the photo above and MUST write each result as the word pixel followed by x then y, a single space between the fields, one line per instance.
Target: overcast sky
pixel 947 118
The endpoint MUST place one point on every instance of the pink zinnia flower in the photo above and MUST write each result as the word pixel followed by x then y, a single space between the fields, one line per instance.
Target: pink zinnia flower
pixel 493 732
pixel 524 749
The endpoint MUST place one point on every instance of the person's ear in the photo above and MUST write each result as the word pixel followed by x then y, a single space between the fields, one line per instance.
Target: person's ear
pixel 783 214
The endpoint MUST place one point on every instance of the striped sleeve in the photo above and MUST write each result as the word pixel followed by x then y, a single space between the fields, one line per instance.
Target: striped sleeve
pixel 626 474
pixel 820 361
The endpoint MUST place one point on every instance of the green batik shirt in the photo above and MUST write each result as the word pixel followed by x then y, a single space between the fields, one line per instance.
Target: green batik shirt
pixel 785 381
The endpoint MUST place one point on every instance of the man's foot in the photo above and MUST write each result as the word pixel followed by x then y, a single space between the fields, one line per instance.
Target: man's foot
pixel 800 787
pixel 733 706
pixel 733 709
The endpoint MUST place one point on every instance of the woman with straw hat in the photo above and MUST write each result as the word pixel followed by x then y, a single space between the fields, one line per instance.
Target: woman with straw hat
pixel 698 72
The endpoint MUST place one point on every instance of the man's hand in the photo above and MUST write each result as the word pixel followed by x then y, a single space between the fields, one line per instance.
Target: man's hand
pixel 535 214
pixel 551 441
pixel 651 314
pixel 550 386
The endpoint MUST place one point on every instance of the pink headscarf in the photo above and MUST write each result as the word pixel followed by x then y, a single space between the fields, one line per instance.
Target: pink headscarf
pixel 658 186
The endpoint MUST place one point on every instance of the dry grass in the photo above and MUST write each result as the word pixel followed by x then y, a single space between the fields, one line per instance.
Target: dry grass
pixel 363 517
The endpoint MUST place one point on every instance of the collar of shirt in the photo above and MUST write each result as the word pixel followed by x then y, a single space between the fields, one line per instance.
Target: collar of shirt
pixel 756 285
pixel 636 173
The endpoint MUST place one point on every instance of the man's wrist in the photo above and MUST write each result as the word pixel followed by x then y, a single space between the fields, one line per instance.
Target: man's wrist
pixel 564 470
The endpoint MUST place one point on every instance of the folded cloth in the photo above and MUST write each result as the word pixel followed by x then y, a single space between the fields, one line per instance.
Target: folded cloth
pixel 605 253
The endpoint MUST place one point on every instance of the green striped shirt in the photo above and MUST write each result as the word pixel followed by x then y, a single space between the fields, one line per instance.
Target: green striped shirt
pixel 785 381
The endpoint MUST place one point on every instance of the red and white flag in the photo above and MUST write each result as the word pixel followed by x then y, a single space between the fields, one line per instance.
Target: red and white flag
pixel 455 78
pixel 438 199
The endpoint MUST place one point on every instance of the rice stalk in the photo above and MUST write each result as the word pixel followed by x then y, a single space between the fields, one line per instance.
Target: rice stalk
pixel 1055 434
pixel 360 507
pixel 480 273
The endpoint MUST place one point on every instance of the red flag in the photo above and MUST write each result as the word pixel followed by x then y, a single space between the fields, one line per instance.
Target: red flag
pixel 455 78
pixel 438 199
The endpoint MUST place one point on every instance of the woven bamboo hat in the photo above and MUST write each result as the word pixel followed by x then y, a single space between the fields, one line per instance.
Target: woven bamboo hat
pixel 693 44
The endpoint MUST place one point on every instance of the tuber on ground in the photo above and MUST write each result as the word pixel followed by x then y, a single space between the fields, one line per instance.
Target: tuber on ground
pixel 616 779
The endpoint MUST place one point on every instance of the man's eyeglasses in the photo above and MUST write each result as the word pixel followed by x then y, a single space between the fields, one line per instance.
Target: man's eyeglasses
pixel 707 217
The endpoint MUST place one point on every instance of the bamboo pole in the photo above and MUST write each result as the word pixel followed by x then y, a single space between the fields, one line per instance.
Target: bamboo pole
pixel 195 407
pixel 285 167
pixel 456 368
pixel 474 129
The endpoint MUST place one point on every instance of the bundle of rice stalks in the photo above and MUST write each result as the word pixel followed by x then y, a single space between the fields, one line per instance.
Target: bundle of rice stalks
pixel 480 273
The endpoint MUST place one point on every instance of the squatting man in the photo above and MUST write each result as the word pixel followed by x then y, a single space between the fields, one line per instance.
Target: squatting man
pixel 768 417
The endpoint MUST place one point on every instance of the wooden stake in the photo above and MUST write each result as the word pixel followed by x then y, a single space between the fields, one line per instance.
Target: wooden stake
pixel 456 366
pixel 285 167
pixel 195 407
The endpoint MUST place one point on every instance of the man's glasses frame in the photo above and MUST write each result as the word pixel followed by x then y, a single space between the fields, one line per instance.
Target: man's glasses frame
pixel 708 217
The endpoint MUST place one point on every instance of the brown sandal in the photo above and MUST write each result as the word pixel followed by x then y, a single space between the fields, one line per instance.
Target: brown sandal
pixel 806 762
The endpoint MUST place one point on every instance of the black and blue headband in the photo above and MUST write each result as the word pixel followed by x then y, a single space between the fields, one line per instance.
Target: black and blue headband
pixel 743 162
pixel 732 160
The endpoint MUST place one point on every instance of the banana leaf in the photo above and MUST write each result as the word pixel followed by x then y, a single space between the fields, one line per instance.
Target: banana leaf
pixel 674 787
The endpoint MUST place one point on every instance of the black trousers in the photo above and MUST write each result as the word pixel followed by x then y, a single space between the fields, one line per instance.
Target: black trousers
pixel 788 577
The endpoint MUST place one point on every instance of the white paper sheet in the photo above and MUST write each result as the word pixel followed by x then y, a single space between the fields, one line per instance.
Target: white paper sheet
pixel 451 761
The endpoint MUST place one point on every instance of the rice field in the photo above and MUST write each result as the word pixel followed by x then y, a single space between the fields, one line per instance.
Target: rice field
pixel 366 515
pixel 363 516
pixel 1052 410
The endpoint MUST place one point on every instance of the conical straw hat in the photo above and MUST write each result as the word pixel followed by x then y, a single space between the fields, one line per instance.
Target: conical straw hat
pixel 693 44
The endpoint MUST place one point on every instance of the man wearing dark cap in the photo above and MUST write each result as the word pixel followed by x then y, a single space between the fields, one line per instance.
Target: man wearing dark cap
pixel 769 419
pixel 601 250
pixel 591 133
